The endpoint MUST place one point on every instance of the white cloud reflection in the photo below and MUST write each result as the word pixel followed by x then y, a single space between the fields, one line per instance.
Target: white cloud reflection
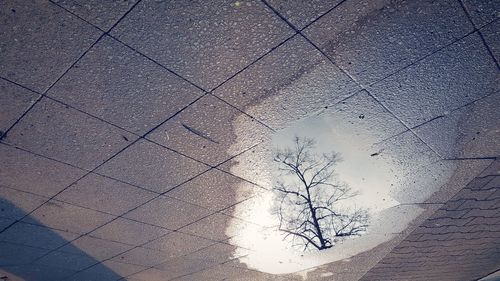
pixel 375 178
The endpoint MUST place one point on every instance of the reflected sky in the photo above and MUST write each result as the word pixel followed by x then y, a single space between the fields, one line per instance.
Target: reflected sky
pixel 374 178
pixel 364 173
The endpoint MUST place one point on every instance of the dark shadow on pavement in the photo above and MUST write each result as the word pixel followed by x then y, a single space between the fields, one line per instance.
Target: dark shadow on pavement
pixel 36 253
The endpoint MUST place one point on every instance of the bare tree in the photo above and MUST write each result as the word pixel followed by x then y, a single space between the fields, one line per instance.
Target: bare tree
pixel 310 208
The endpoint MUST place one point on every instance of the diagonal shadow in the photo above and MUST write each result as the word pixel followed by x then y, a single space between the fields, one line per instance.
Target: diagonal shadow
pixel 27 252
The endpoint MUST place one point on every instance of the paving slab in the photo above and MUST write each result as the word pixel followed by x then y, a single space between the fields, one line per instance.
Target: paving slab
pixel 178 244
pixel 128 232
pixel 195 262
pixel 152 274
pixel 102 14
pixel 15 204
pixel 67 135
pixel 66 260
pixel 105 195
pixel 490 34
pixel 141 256
pixel 15 254
pixel 215 190
pixel 35 272
pixel 464 173
pixel 4 223
pixel 300 13
pixel 373 39
pixel 464 70
pixel 245 210
pixel 36 236
pixel 14 102
pixel 98 249
pixel 205 42
pixel 218 272
pixel 40 41
pixel 168 212
pixel 306 83
pixel 210 227
pixel 151 166
pixel 482 11
pixel 468 132
pixel 66 217
pixel 295 57
pixel 205 131
pixel 34 174
pixel 120 86
pixel 322 86
pixel 97 273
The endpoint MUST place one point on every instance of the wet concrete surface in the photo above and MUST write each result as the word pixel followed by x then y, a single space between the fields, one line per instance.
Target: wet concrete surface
pixel 137 136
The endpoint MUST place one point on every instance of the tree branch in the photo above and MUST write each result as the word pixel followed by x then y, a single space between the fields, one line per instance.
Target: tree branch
pixel 309 240
pixel 306 210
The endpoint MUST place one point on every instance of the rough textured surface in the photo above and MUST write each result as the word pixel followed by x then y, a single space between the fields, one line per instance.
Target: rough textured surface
pixel 458 242
pixel 139 154
pixel 322 86
pixel 191 263
pixel 491 33
pixel 37 51
pixel 256 89
pixel 215 190
pixel 67 217
pixel 67 135
pixel 209 227
pixel 104 14
pixel 98 248
pixel 151 166
pixel 24 201
pixel 294 58
pixel 128 232
pixel 169 213
pixel 105 195
pixel 204 131
pixel 122 87
pixel 464 70
pixel 186 37
pixel 373 39
pixel 36 236
pixel 302 13
pixel 482 11
pixel 178 244
pixel 114 269
pixel 470 131
pixel 142 257
pixel 14 101
pixel 35 174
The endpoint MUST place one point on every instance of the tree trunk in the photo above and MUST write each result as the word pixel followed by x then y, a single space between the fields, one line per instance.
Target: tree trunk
pixel 322 240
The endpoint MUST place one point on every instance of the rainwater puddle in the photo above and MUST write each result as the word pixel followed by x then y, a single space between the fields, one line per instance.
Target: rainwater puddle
pixel 378 174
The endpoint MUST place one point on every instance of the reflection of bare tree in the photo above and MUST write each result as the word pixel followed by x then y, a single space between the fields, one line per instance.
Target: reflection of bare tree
pixel 309 208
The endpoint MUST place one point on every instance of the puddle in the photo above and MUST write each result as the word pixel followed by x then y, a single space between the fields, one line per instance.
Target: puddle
pixel 386 175
pixel 392 170
pixel 358 167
